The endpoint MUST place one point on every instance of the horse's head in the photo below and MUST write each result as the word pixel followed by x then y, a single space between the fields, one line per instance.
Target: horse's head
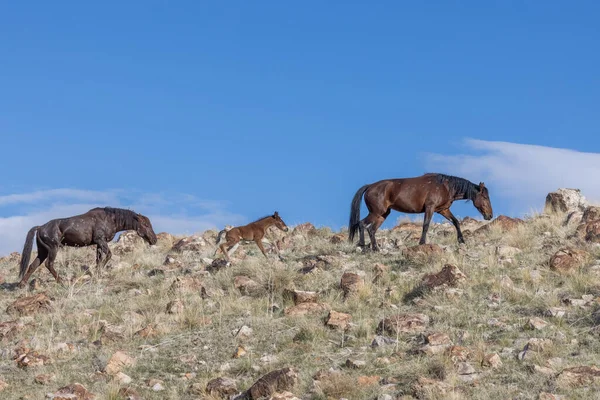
pixel 279 222
pixel 482 202
pixel 145 230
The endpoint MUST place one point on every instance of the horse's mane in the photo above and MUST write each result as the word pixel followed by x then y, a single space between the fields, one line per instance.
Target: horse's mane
pixel 260 219
pixel 459 185
pixel 122 216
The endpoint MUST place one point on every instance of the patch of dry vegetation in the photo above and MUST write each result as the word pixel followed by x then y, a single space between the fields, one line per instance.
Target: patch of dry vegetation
pixel 163 327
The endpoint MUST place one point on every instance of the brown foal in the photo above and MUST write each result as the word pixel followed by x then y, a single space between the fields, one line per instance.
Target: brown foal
pixel 427 194
pixel 254 231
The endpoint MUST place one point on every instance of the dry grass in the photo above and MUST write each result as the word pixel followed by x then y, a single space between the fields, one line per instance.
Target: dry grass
pixel 487 315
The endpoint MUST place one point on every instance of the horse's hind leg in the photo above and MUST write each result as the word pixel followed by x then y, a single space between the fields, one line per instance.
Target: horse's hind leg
pixel 52 252
pixel 426 222
pixel 229 247
pixel 374 224
pixel 41 257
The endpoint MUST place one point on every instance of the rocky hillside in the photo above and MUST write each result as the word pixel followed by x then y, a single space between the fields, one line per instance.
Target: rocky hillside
pixel 513 314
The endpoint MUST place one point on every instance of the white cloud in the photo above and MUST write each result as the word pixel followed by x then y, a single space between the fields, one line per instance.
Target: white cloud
pixel 521 173
pixel 192 215
pixel 56 194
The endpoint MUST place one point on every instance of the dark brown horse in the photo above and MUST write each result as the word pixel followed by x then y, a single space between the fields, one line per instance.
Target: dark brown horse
pixel 254 231
pixel 427 194
pixel 97 226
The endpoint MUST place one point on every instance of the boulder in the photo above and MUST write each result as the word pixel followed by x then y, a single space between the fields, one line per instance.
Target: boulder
pixel 449 276
pixel 578 376
pixel 502 222
pixel 338 320
pixel 175 307
pixel 74 391
pixel 564 201
pixel 350 283
pixel 246 286
pixel 403 323
pixel 275 381
pixel 492 360
pixel 190 243
pixel 30 305
pixel 568 260
pixel 9 329
pixel 221 387
pixel 301 296
pixel 422 252
pixel 117 362
pixel 127 243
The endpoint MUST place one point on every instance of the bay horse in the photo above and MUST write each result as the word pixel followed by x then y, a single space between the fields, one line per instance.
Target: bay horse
pixel 254 231
pixel 97 226
pixel 427 194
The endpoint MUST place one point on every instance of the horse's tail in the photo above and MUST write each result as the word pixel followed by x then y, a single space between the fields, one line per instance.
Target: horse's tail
pixel 26 255
pixel 355 212
pixel 220 236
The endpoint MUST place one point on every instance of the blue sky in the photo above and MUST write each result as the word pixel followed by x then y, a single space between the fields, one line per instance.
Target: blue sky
pixel 206 114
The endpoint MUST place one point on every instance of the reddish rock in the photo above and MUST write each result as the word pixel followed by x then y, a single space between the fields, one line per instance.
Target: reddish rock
pixel 403 323
pixel 221 387
pixel 564 201
pixel 503 222
pixel 350 283
pixel 189 284
pixel 117 362
pixel 458 353
pixel 28 358
pixel 338 238
pixel 578 376
pixel 44 379
pixel 338 320
pixel 74 391
pixel 30 305
pixel 147 332
pixel 426 388
pixel 9 329
pixel 591 213
pixel 422 252
pixel 175 307
pixel 592 231
pixel 568 260
pixel 306 229
pixel 379 270
pixel 164 239
pixel 492 360
pixel 275 381
pixel 300 296
pixel 448 276
pixel 190 243
pixel 246 285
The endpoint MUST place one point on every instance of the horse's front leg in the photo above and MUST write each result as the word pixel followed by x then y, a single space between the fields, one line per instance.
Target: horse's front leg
pixel 103 255
pixel 450 217
pixel 261 247
pixel 273 245
pixel 426 222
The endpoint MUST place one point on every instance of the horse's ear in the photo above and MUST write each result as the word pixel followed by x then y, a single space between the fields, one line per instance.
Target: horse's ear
pixel 481 185
pixel 276 214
